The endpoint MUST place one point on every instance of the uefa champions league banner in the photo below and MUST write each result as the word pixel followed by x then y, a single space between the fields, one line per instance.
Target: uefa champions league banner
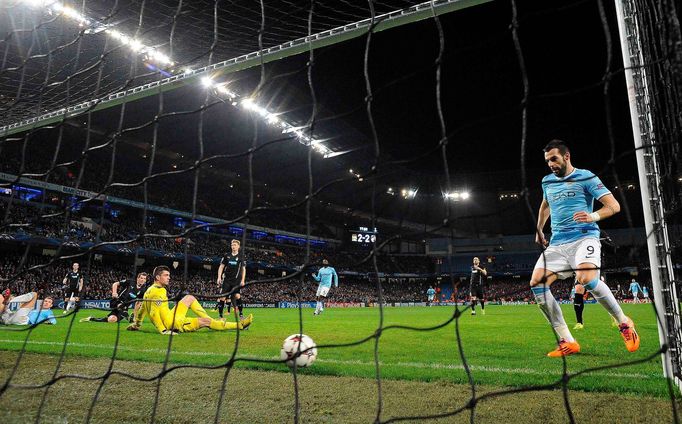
pixel 212 304
pixel 295 304
pixel 86 304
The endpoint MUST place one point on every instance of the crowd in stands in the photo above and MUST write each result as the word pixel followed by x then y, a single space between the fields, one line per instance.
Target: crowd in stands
pixel 159 191
pixel 165 237
pixel 100 276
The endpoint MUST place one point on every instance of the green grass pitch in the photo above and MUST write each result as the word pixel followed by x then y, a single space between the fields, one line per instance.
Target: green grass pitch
pixel 506 347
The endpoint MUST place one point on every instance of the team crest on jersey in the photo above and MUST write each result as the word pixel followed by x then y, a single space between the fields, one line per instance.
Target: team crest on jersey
pixel 158 303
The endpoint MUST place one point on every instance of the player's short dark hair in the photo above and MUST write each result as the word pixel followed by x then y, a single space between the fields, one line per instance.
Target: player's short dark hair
pixel 557 144
pixel 159 269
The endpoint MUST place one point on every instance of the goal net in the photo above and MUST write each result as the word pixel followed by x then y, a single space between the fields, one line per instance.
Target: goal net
pixel 394 139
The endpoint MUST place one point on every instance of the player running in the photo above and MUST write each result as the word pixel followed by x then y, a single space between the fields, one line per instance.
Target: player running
pixel 430 294
pixel 73 285
pixel 122 294
pixel 568 197
pixel 635 288
pixel 478 275
pixel 645 294
pixel 172 321
pixel 324 276
pixel 232 276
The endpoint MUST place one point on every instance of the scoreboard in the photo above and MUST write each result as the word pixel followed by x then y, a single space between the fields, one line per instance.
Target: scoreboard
pixel 363 236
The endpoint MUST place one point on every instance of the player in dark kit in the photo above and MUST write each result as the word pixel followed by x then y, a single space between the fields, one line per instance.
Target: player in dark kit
pixel 478 275
pixel 122 294
pixel 73 285
pixel 232 276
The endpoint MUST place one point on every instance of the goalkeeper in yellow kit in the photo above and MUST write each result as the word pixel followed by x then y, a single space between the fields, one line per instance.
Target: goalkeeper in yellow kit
pixel 173 321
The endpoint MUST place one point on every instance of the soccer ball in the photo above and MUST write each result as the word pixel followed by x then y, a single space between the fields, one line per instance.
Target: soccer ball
pixel 299 349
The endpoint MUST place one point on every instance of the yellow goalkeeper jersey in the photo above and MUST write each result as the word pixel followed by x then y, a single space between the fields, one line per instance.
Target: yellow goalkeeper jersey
pixel 155 305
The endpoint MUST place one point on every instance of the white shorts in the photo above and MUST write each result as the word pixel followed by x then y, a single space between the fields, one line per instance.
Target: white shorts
pixel 18 317
pixel 431 296
pixel 564 259
pixel 323 291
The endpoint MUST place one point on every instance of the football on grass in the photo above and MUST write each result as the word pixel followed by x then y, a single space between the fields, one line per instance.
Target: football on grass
pixel 298 349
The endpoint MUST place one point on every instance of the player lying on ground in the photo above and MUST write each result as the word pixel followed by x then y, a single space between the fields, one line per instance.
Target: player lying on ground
pixel 26 314
pixel 568 197
pixel 173 321
pixel 324 276
pixel 121 297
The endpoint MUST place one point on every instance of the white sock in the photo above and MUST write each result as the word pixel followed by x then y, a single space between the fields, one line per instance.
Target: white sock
pixel 602 293
pixel 552 311
pixel 317 306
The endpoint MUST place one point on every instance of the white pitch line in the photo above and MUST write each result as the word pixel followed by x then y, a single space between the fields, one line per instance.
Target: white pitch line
pixel 481 368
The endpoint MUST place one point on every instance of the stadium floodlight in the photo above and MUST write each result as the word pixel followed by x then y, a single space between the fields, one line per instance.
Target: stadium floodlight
pixel 457 195
pixel 408 193
pixel 206 82
pixel 153 55
pixel 71 13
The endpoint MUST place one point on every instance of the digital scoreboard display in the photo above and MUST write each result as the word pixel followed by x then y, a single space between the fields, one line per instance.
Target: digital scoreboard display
pixel 363 235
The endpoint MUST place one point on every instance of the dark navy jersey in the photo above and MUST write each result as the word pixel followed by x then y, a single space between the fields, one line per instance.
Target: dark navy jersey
pixel 137 293
pixel 73 279
pixel 123 288
pixel 233 265
pixel 477 277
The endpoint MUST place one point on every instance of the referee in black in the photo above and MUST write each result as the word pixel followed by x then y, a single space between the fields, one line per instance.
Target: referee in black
pixel 478 275
pixel 231 278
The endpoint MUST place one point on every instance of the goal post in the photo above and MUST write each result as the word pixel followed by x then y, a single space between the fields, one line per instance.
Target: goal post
pixel 637 78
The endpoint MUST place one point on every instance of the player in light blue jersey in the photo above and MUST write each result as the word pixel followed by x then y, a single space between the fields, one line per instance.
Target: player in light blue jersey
pixel 645 294
pixel 324 276
pixel 568 198
pixel 431 294
pixel 635 288
pixel 26 313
